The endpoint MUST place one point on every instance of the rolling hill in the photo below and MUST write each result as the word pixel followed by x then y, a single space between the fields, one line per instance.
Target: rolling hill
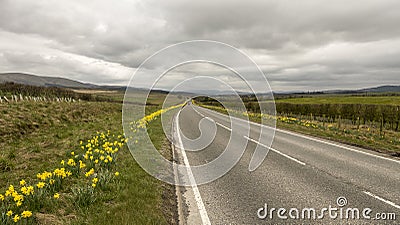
pixel 29 79
pixel 34 80
pixel 386 88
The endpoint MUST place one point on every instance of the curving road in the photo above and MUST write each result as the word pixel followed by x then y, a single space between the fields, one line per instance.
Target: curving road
pixel 299 173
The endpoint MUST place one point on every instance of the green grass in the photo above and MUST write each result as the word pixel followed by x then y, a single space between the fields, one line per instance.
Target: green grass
pixel 370 139
pixel 380 100
pixel 35 136
pixel 367 136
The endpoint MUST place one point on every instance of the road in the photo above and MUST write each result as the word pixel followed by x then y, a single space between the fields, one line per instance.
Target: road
pixel 299 172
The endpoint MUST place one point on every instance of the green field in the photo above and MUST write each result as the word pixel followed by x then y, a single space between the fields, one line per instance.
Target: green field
pixel 36 136
pixel 379 100
pixel 353 128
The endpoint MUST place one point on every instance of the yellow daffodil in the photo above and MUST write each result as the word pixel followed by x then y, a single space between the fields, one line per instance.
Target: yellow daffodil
pixel 56 196
pixel 11 188
pixel 71 162
pixel 22 182
pixel 18 198
pixel 60 172
pixel 89 173
pixel 81 164
pixel 27 190
pixel 43 176
pixel 8 193
pixel 26 214
pixel 16 218
pixel 109 158
pixel 40 185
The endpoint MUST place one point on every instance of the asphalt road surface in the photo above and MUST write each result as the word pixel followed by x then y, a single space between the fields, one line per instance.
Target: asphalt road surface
pixel 300 173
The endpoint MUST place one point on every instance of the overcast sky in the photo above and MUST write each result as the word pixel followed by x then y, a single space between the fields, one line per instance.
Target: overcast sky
pixel 300 45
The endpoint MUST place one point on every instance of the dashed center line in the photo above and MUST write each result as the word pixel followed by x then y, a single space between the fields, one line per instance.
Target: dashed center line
pixel 317 140
pixel 382 199
pixel 252 140
pixel 274 150
pixel 309 138
pixel 223 126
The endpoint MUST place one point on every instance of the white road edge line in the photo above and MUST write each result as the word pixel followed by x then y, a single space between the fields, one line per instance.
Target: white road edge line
pixel 250 139
pixel 340 146
pixel 314 139
pixel 200 205
pixel 382 199
pixel 274 150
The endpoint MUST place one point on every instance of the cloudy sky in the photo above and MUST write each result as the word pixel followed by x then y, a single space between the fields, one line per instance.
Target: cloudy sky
pixel 299 45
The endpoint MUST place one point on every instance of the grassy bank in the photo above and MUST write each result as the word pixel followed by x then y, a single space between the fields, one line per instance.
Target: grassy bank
pixel 377 100
pixel 36 136
pixel 366 136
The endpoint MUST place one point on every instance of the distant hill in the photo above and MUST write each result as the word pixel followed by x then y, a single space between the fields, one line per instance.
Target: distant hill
pixel 386 88
pixel 28 79
pixel 379 89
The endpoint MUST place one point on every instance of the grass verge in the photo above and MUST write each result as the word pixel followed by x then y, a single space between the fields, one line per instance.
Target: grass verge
pixel 368 137
pixel 36 136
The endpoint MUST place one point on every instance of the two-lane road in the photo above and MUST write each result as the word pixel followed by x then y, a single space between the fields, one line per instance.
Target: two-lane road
pixel 299 172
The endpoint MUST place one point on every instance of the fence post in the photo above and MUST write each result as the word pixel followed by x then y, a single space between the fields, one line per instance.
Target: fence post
pixel 339 121
pixel 358 122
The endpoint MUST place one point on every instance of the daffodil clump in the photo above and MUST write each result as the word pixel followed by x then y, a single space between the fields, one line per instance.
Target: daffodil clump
pixel 90 168
pixel 284 119
pixel 14 203
pixel 293 120
pixel 94 164
pixel 142 123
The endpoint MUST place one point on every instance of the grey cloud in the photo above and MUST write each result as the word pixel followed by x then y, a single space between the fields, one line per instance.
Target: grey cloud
pixel 273 24
pixel 301 45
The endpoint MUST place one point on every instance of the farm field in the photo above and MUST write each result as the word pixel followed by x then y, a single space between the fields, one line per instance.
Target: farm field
pixel 380 100
pixel 37 136
pixel 371 122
